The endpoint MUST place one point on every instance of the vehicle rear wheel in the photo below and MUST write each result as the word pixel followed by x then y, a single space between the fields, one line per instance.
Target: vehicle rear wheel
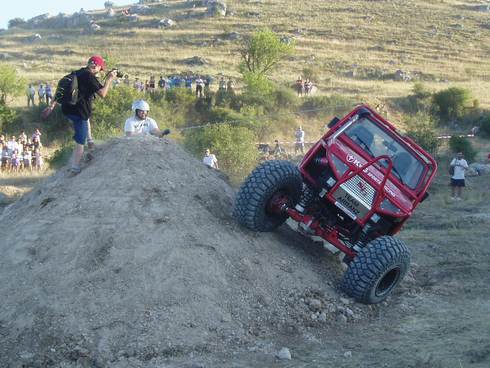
pixel 376 270
pixel 270 185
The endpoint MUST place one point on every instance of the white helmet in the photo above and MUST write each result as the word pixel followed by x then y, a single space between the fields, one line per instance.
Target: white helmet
pixel 140 105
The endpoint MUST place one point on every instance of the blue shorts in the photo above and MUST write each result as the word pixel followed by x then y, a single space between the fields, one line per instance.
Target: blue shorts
pixel 81 128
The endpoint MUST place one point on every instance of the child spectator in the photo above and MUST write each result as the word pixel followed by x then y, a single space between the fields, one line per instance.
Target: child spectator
pixel 14 161
pixel 28 159
pixel 37 159
pixel 210 160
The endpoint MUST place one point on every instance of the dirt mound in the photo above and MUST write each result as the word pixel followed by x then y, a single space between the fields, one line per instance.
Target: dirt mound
pixel 137 259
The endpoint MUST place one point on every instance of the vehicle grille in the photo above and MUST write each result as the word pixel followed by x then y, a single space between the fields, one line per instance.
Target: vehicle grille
pixel 360 190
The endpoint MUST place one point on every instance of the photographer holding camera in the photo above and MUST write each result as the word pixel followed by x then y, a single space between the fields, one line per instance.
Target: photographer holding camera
pixel 79 114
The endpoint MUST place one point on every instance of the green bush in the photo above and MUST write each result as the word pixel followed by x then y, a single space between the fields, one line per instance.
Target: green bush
pixel 258 91
pixel 234 146
pixel 111 112
pixel 421 129
pixel 8 118
pixel 11 84
pixel 461 144
pixel 451 103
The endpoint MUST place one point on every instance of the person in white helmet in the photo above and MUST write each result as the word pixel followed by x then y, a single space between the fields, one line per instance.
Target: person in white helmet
pixel 140 123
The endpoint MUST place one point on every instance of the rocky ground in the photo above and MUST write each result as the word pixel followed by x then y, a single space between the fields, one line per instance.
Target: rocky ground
pixel 136 262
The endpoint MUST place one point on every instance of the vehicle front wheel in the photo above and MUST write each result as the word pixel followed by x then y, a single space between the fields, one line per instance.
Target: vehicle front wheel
pixel 270 185
pixel 376 270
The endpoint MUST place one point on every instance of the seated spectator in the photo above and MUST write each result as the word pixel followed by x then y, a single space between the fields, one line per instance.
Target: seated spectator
pixel 278 149
pixel 140 123
pixel 210 160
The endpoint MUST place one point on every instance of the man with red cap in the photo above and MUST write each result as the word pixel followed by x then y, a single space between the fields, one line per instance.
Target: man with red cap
pixel 80 113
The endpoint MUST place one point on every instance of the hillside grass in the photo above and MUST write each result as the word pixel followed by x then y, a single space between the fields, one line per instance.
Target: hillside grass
pixel 442 42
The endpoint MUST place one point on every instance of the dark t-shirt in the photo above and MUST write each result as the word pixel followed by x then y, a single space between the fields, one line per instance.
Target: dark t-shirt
pixel 88 86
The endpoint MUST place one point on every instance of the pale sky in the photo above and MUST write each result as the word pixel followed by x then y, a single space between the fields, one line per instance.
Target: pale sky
pixel 27 9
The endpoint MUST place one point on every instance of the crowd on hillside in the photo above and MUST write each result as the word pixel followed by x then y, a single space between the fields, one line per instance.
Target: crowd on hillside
pixel 21 153
pixel 44 92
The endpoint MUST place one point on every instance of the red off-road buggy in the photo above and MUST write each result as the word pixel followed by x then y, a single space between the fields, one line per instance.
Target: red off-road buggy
pixel 354 190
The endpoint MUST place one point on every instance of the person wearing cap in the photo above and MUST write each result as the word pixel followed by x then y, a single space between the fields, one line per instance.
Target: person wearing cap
pixel 140 123
pixel 80 113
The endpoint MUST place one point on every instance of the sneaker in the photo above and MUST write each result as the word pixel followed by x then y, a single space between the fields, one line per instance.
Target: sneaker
pixel 90 144
pixel 74 171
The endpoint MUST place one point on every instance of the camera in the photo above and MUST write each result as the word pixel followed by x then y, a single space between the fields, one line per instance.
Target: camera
pixel 119 73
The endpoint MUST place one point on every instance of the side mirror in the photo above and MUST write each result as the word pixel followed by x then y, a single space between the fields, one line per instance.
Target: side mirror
pixel 334 121
pixel 424 197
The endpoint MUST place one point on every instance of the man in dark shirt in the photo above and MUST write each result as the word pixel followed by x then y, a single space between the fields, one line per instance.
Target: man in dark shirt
pixel 79 114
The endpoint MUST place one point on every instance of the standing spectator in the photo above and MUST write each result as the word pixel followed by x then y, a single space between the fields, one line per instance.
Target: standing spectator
pixel 210 160
pixel 299 136
pixel 199 86
pixel 459 166
pixel 222 84
pixel 79 114
pixel 22 136
pixel 38 159
pixel 12 144
pixel 229 87
pixel 14 161
pixel 5 158
pixel 188 82
pixel 126 81
pixel 161 82
pixel 207 84
pixel 27 158
pixel 49 93
pixel 308 87
pixel 152 83
pixel 30 93
pixel 2 140
pixel 41 92
pixel 37 133
pixel 299 86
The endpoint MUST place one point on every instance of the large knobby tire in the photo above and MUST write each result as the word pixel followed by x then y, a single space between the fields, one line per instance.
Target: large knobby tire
pixel 268 181
pixel 376 270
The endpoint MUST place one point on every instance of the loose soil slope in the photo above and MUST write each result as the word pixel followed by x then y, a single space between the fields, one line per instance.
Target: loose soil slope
pixel 138 258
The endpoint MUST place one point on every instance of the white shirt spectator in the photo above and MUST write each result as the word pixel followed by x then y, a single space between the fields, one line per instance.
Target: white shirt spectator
pixel 140 127
pixel 210 160
pixel 300 136
pixel 460 166
pixel 12 145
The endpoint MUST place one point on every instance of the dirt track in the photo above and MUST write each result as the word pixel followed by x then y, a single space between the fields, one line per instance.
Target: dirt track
pixel 136 262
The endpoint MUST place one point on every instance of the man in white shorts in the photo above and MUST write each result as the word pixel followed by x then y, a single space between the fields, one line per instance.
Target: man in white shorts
pixel 140 123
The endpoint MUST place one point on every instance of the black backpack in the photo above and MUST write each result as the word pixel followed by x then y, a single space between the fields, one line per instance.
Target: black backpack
pixel 67 90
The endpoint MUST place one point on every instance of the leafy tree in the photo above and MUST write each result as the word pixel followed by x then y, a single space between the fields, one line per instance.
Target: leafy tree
pixel 258 91
pixel 262 51
pixel 15 22
pixel 461 144
pixel 234 147
pixel 421 129
pixel 451 102
pixel 11 84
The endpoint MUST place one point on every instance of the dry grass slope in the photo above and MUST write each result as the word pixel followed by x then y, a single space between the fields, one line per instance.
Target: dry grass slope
pixel 355 45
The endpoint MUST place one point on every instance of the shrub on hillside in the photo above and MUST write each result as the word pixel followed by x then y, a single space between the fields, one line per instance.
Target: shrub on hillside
pixel 11 84
pixel 234 146
pixel 8 118
pixel 461 144
pixel 421 129
pixel 451 103
pixel 111 112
